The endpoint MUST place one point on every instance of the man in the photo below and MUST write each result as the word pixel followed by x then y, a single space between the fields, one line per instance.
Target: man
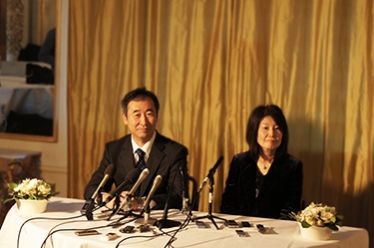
pixel 162 156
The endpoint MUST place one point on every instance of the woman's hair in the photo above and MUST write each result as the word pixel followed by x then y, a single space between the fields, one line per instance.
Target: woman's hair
pixel 252 129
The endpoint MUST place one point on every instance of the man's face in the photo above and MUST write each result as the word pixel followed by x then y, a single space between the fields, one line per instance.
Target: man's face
pixel 141 119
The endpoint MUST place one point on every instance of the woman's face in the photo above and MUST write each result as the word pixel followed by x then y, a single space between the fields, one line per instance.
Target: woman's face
pixel 269 136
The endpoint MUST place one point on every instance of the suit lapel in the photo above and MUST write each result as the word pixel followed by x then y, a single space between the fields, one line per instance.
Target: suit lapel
pixel 126 159
pixel 153 163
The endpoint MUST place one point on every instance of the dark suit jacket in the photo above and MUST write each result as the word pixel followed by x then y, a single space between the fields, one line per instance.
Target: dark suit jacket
pixel 281 189
pixel 167 157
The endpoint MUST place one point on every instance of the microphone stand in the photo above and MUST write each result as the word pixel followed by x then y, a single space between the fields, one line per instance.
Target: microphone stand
pixel 126 214
pixel 87 209
pixel 117 210
pixel 186 205
pixel 209 216
pixel 129 213
pixel 165 222
pixel 89 206
pixel 146 220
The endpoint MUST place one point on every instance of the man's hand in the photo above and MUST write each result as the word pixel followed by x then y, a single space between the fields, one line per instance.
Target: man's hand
pixel 135 203
pixel 110 204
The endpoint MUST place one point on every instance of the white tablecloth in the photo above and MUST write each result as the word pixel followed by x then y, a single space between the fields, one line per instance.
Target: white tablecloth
pixel 24 98
pixel 285 233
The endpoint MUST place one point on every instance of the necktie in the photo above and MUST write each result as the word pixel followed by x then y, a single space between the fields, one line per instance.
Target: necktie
pixel 141 162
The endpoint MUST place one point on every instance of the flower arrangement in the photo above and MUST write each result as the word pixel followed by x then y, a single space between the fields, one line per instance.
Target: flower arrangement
pixel 31 189
pixel 319 215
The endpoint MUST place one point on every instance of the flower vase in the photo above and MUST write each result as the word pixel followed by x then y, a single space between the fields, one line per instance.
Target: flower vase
pixel 316 233
pixel 31 206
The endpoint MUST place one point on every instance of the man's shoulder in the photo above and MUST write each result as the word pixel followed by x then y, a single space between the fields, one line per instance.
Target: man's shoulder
pixel 119 142
pixel 168 142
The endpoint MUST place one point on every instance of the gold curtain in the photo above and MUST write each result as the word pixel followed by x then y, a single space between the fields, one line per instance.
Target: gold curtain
pixel 210 63
pixel 43 18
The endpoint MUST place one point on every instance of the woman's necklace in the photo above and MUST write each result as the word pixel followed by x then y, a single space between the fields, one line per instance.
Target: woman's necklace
pixel 265 164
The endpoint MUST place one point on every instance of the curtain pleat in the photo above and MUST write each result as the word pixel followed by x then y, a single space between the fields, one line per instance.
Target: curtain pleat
pixel 210 63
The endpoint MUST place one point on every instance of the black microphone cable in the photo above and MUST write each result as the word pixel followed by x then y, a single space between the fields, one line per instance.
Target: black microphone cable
pixel 143 236
pixel 174 232
pixel 49 218
pixel 112 224
pixel 137 236
pixel 60 224
pixel 73 229
pixel 42 218
pixel 183 225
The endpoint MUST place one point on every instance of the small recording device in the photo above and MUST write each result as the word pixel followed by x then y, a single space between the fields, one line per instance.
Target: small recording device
pixel 86 232
pixel 127 229
pixel 109 236
pixel 261 228
pixel 241 233
pixel 232 224
pixel 103 216
pixel 245 224
pixel 144 228
pixel 201 224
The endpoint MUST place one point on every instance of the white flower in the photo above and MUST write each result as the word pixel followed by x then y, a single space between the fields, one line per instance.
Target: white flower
pixel 32 189
pixel 319 215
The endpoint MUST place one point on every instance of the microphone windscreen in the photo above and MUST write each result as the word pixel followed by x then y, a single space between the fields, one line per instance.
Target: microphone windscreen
pixel 109 170
pixel 141 178
pixel 133 175
pixel 107 174
pixel 130 179
pixel 217 163
pixel 156 183
pixel 143 174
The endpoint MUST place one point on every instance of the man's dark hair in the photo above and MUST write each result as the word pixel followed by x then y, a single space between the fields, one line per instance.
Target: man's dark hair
pixel 252 129
pixel 141 94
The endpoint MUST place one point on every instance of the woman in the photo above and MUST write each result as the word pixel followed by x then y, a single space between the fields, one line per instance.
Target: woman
pixel 265 181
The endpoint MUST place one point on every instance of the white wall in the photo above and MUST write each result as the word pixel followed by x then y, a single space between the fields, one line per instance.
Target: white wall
pixel 54 158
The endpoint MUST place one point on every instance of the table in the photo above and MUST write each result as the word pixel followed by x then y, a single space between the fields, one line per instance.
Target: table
pixel 284 234
pixel 24 98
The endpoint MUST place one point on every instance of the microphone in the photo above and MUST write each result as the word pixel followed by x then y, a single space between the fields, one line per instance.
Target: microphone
pixel 164 222
pixel 130 179
pixel 146 209
pixel 156 183
pixel 211 173
pixel 107 174
pixel 89 204
pixel 141 178
pixel 185 195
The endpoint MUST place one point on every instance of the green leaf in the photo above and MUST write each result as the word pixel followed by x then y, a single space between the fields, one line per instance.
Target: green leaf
pixel 304 224
pixel 8 200
pixel 332 226
pixel 12 185
pixel 339 220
